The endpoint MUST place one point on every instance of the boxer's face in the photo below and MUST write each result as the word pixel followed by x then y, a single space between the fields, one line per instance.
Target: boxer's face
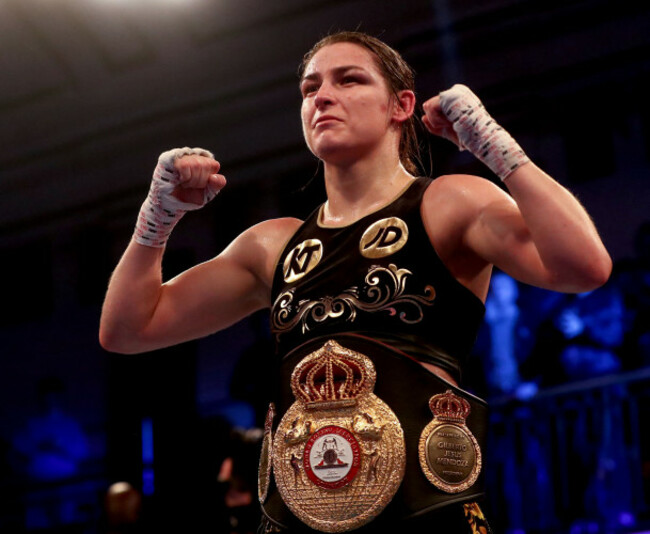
pixel 347 106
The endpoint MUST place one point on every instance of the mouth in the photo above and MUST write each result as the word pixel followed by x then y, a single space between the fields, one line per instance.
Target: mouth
pixel 326 118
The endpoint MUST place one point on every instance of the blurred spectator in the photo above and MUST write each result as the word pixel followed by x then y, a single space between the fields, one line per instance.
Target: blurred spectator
pixel 595 326
pixel 122 508
pixel 53 444
pixel 632 276
pixel 501 358
pixel 238 474
pixel 501 314
pixel 49 452
pixel 581 340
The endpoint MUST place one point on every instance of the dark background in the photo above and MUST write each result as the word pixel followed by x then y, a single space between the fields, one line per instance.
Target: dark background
pixel 92 91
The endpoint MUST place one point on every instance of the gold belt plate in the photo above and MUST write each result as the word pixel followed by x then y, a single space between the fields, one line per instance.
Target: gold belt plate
pixel 450 456
pixel 338 452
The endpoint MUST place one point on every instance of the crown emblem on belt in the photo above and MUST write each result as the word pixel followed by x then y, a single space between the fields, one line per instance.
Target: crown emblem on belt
pixel 331 378
pixel 449 407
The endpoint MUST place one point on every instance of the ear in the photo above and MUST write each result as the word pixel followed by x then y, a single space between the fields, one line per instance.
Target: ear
pixel 404 106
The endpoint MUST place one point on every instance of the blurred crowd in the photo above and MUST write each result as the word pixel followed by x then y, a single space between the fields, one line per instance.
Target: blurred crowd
pixel 535 339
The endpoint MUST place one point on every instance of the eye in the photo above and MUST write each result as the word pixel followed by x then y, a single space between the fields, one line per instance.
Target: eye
pixel 307 89
pixel 349 79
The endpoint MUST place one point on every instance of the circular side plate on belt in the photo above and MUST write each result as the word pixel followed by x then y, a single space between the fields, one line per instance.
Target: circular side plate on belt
pixel 338 452
pixel 450 456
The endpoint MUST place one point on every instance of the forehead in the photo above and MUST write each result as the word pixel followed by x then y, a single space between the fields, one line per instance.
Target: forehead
pixel 341 54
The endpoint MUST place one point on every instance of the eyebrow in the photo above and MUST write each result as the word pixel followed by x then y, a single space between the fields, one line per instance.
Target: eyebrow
pixel 337 71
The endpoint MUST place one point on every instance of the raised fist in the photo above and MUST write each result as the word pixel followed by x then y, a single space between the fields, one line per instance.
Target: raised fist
pixel 436 122
pixel 185 179
pixel 188 178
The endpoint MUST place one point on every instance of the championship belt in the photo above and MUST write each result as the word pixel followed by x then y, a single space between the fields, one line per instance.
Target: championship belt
pixel 338 453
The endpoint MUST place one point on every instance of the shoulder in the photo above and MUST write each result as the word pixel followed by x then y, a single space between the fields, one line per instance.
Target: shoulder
pixel 468 186
pixel 462 197
pixel 272 233
pixel 258 247
pixel 451 207
pixel 281 228
pixel 266 237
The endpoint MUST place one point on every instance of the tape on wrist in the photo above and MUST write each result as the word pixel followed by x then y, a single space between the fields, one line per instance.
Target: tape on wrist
pixel 479 133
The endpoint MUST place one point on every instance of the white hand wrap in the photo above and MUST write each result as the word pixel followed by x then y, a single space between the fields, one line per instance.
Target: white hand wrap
pixel 162 210
pixel 479 133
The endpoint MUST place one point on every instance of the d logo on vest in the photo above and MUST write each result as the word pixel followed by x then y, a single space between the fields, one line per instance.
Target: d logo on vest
pixel 383 238
pixel 302 259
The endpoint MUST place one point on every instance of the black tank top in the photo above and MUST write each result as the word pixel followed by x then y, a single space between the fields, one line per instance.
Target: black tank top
pixel 380 277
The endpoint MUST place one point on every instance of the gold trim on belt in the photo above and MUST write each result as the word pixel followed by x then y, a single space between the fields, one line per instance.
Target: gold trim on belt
pixel 338 452
pixel 266 460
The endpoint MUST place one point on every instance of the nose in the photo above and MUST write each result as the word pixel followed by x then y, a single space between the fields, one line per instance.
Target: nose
pixel 324 96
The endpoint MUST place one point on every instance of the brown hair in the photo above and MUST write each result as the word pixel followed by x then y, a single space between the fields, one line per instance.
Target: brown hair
pixel 398 75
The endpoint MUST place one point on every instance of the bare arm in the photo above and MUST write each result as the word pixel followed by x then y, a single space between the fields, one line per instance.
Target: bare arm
pixel 555 244
pixel 141 313
pixel 541 234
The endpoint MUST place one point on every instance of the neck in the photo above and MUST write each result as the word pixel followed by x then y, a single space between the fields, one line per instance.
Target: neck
pixel 354 191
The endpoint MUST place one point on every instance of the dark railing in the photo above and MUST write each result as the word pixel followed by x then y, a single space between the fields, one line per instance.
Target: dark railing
pixel 573 458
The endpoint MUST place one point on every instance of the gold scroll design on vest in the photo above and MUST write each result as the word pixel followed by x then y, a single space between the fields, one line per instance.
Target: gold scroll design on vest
pixel 338 453
pixel 450 456
pixel 384 291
